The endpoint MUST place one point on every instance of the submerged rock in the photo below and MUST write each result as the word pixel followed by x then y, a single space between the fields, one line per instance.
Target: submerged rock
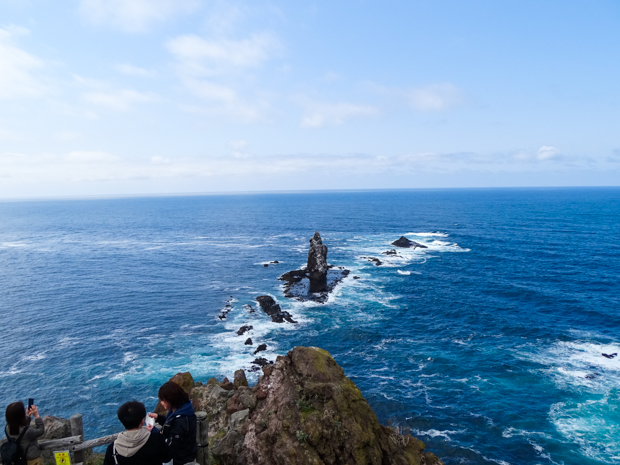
pixel 243 329
pixel 406 243
pixel 261 361
pixel 374 260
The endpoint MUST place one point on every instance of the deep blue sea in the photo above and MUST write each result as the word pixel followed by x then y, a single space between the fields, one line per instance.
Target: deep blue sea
pixel 480 344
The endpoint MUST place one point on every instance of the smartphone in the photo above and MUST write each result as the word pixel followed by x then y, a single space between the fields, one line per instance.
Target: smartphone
pixel 30 402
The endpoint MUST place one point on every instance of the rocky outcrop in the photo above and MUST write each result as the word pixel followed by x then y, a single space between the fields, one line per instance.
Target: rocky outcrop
pixel 318 279
pixel 271 308
pixel 406 243
pixel 317 264
pixel 302 411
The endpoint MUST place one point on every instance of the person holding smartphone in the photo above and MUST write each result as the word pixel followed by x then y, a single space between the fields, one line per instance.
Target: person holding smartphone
pixel 136 445
pixel 18 425
pixel 179 425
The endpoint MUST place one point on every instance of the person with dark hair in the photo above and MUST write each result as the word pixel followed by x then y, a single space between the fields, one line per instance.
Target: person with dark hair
pixel 136 445
pixel 179 425
pixel 18 428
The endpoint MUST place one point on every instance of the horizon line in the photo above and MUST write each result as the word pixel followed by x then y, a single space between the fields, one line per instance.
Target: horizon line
pixel 280 192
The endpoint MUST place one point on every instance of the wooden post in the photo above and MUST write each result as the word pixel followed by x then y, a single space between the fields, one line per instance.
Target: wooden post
pixel 202 438
pixel 77 429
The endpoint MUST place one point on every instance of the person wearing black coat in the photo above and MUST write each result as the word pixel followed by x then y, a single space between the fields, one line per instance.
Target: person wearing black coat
pixel 136 445
pixel 179 425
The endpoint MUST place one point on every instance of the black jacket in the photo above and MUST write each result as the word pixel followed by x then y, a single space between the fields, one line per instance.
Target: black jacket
pixel 154 452
pixel 179 429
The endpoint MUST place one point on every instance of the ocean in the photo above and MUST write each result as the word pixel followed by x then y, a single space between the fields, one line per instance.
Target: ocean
pixel 487 345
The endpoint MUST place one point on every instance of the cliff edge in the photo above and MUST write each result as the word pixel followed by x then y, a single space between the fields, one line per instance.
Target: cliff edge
pixel 302 411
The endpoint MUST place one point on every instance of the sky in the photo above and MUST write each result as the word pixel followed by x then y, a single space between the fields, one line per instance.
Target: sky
pixel 132 97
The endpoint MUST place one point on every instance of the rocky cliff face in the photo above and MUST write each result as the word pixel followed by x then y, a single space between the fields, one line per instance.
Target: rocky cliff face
pixel 302 411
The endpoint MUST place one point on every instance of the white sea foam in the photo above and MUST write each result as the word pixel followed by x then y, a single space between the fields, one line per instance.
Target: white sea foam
pixel 129 357
pixel 34 358
pixel 404 273
pixel 433 433
pixel 13 244
pixel 427 234
pixel 590 419
pixel 568 364
pixel 591 424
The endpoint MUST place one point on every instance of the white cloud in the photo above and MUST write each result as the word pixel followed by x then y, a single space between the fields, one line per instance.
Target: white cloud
pixel 238 152
pixel 224 18
pixel 66 135
pixel 17 67
pixel 134 70
pixel 135 15
pixel 217 70
pixel 547 152
pixel 238 144
pixel 159 160
pixel 90 157
pixel 434 97
pixel 200 57
pixel 330 114
pixel 100 93
pixel 121 100
pixel 87 166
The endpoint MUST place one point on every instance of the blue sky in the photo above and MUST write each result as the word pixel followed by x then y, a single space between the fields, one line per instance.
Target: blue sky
pixel 106 97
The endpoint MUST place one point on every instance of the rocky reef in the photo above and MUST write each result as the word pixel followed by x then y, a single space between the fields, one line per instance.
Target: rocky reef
pixel 271 308
pixel 406 243
pixel 318 279
pixel 303 411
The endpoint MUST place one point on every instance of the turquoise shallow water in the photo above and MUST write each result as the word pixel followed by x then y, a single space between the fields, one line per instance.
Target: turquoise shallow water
pixel 480 344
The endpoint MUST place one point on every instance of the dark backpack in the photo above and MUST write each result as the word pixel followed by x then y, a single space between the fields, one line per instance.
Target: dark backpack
pixel 11 452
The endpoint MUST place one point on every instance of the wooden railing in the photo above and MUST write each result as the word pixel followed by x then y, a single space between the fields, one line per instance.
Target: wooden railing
pixel 77 445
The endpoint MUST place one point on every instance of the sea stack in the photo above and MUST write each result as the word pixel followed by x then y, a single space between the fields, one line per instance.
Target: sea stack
pixel 317 264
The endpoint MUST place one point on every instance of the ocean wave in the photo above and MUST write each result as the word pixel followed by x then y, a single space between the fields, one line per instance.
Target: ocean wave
pixel 34 358
pixel 433 433
pixel 427 234
pixel 13 244
pixel 592 424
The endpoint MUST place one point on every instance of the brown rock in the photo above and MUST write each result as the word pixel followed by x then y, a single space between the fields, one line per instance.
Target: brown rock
pixel 302 411
pixel 240 379
pixel 184 380
pixel 227 385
